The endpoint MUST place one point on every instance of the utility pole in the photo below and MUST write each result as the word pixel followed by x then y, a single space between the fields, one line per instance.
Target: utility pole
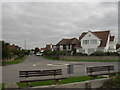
pixel 25 44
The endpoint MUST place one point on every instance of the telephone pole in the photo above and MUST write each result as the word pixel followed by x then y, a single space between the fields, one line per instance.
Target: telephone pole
pixel 25 44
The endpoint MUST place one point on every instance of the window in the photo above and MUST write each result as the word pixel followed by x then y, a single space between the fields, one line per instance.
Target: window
pixel 64 47
pixel 94 41
pixel 85 41
pixel 69 47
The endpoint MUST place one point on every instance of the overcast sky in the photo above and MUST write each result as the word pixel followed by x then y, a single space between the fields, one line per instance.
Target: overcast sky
pixel 41 23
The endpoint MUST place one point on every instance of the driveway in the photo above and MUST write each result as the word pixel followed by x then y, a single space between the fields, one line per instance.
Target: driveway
pixel 10 73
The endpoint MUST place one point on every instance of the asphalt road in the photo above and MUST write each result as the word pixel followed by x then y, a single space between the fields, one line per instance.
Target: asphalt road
pixel 10 73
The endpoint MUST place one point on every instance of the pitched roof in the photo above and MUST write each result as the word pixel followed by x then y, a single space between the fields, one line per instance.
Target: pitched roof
pixel 43 49
pixel 68 41
pixel 103 35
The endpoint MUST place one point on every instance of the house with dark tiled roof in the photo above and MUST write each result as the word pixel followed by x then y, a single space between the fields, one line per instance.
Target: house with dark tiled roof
pixel 89 42
pixel 13 47
pixel 68 44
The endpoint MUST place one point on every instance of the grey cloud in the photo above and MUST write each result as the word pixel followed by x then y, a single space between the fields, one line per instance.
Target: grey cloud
pixel 47 22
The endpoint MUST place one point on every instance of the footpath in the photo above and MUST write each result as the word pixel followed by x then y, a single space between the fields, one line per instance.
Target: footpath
pixel 10 85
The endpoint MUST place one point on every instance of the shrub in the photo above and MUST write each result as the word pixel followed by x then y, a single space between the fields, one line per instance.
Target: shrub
pixel 112 54
pixel 80 54
pixel 50 53
pixel 112 83
pixel 100 53
pixel 54 54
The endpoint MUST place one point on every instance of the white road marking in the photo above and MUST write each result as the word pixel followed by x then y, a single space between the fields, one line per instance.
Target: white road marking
pixel 57 64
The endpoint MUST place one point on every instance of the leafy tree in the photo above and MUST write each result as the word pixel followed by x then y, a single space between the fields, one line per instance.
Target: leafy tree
pixel 36 50
pixel 5 51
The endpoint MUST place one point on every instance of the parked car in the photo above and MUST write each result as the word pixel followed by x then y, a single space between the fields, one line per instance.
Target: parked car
pixel 37 54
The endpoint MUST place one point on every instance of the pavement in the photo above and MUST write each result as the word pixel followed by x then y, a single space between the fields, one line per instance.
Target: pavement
pixel 11 85
pixel 10 73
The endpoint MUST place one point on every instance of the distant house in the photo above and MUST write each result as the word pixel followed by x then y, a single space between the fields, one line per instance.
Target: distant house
pixel 68 44
pixel 51 47
pixel 17 48
pixel 13 47
pixel 96 41
pixel 42 50
pixel 48 47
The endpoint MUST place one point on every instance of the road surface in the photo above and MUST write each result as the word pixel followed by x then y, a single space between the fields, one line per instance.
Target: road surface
pixel 10 73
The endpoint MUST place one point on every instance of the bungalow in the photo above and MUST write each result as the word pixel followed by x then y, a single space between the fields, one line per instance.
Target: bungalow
pixel 68 44
pixel 96 41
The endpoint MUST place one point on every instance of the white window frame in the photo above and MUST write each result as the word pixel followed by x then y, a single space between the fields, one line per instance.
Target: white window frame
pixel 85 41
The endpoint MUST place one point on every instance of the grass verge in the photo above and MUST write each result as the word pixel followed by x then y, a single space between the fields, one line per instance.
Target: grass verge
pixel 51 82
pixel 1 86
pixel 16 61
pixel 83 60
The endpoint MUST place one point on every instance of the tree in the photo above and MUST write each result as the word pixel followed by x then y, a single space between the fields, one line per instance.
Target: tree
pixel 5 51
pixel 36 50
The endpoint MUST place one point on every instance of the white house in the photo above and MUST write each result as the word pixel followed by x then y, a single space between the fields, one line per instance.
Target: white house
pixel 96 41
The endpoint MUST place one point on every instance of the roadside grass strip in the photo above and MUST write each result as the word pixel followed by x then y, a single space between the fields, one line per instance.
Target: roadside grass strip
pixel 16 61
pixel 83 60
pixel 1 86
pixel 51 82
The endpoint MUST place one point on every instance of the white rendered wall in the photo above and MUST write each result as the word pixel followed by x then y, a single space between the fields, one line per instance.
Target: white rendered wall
pixel 112 45
pixel 107 44
pixel 61 47
pixel 90 36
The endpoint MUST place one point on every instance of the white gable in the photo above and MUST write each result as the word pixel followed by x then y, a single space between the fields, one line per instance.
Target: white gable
pixel 90 46
pixel 90 43
pixel 89 36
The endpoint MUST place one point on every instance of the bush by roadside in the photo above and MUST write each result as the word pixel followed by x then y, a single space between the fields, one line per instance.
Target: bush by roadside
pixel 79 54
pixel 112 83
pixel 100 53
pixel 55 54
pixel 16 61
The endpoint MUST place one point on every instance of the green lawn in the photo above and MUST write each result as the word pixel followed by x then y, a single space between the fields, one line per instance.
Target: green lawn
pixel 1 86
pixel 83 60
pixel 16 61
pixel 51 82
